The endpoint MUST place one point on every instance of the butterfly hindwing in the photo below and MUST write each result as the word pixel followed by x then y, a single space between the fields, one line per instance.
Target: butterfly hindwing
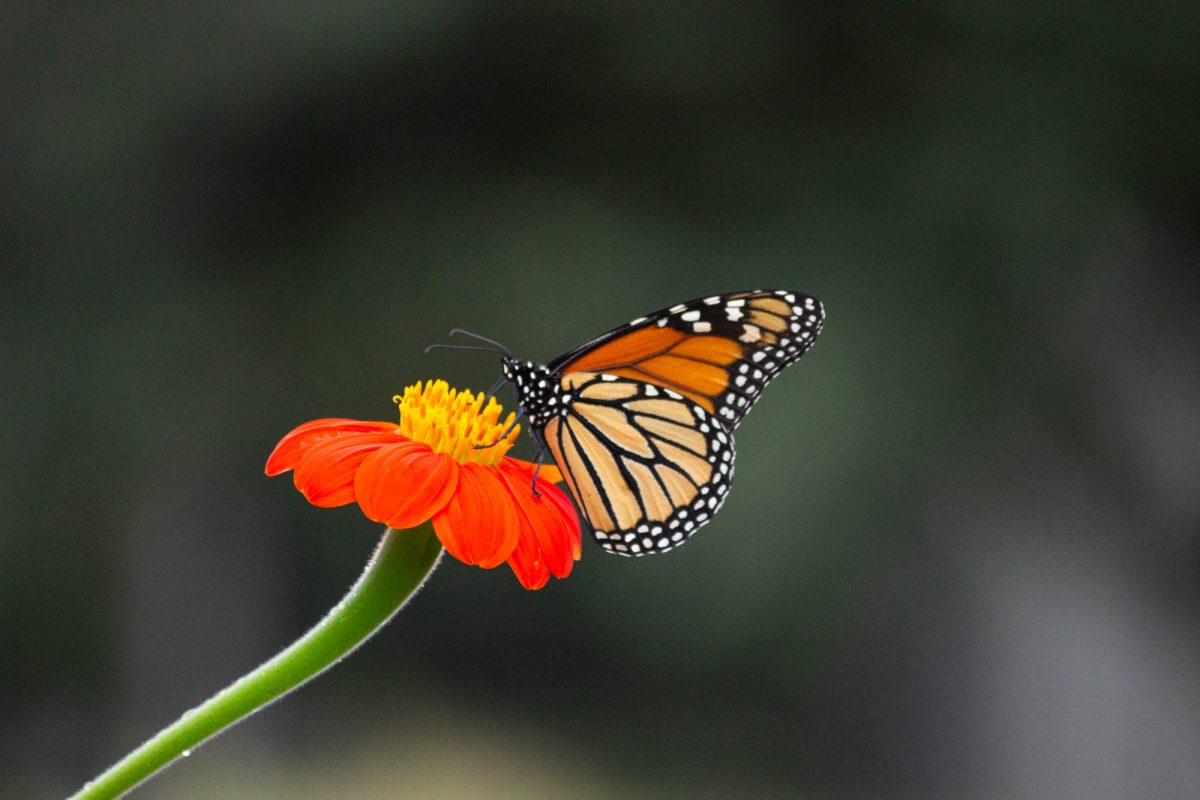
pixel 646 465
pixel 719 351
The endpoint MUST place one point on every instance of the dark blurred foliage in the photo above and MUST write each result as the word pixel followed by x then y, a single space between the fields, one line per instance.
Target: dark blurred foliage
pixel 961 557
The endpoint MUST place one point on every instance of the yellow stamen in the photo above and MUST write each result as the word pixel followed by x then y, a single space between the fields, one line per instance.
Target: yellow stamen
pixel 454 422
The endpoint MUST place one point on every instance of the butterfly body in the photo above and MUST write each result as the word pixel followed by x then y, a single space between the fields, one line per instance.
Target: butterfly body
pixel 640 420
pixel 539 393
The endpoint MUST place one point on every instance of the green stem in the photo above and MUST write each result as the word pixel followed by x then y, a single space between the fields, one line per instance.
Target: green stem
pixel 400 565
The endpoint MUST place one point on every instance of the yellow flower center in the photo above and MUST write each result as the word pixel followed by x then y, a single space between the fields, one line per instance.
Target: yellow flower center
pixel 455 422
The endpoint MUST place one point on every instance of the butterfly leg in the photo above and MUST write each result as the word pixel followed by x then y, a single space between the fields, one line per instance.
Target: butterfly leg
pixel 538 457
pixel 490 393
pixel 504 435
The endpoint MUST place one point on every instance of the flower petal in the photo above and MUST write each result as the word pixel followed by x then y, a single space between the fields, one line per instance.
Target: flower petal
pixel 479 525
pixel 294 445
pixel 549 472
pixel 325 473
pixel 527 563
pixel 404 484
pixel 550 535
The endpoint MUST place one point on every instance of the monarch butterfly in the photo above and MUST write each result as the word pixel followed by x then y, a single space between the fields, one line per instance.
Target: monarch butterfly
pixel 640 420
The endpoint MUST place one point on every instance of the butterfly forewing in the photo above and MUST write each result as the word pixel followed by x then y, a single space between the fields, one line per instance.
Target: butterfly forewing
pixel 646 465
pixel 719 351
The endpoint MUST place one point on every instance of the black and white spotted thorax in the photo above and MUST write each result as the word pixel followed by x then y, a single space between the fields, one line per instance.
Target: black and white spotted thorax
pixel 539 393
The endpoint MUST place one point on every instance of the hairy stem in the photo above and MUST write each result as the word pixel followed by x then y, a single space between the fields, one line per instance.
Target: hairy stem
pixel 400 565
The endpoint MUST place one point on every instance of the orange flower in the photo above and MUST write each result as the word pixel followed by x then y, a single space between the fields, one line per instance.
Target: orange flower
pixel 481 502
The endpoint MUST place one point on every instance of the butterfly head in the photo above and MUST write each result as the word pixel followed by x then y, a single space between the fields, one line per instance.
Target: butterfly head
pixel 538 393
pixel 509 366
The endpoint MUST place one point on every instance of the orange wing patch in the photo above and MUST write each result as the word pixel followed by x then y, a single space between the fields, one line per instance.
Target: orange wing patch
pixel 771 304
pixel 691 377
pixel 712 349
pixel 628 349
pixel 692 365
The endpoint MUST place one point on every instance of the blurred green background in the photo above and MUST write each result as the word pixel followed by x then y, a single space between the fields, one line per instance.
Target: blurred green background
pixel 961 555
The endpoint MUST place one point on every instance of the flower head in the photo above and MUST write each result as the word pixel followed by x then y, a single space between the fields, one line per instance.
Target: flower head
pixel 429 467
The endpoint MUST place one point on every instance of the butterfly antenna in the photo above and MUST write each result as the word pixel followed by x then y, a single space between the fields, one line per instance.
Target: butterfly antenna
pixel 457 347
pixel 502 348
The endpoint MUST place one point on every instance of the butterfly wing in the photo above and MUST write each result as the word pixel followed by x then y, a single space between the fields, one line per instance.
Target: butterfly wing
pixel 719 351
pixel 646 465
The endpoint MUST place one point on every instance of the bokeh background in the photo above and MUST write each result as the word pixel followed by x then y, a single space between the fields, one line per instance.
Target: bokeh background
pixel 962 552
